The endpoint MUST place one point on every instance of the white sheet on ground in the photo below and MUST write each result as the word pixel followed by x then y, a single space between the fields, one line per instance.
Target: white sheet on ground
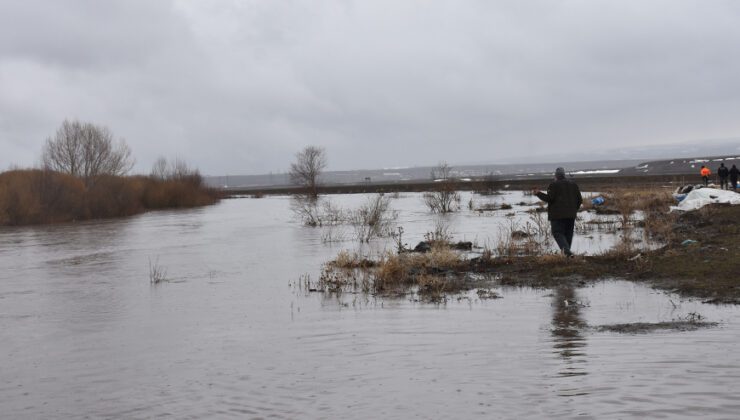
pixel 697 199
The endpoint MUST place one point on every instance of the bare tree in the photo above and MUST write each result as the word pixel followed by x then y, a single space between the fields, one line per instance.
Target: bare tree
pixel 159 169
pixel 441 172
pixel 175 170
pixel 87 151
pixel 171 169
pixel 305 171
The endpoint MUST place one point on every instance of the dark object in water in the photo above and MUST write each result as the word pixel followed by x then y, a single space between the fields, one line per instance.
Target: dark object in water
pixel 519 234
pixel 463 246
pixel 423 246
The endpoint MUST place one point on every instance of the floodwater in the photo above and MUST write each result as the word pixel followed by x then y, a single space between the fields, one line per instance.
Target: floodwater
pixel 85 334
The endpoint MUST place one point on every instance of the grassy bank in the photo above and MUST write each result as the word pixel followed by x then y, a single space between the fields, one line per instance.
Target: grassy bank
pixel 35 196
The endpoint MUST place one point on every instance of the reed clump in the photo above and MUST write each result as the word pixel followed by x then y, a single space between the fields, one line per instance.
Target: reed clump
pixel 36 196
pixel 431 274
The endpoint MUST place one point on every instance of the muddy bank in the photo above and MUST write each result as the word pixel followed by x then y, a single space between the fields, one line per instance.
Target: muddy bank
pixel 701 260
pixel 647 327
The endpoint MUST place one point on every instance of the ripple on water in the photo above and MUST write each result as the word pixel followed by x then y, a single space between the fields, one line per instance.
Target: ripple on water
pixel 85 335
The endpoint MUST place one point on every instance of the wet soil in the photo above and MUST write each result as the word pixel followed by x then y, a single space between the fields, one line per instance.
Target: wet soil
pixel 647 327
pixel 706 267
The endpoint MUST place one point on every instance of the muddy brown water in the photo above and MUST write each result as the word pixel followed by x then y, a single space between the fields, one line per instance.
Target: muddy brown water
pixel 84 334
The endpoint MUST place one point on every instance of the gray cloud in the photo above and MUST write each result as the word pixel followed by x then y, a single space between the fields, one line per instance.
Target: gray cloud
pixel 240 86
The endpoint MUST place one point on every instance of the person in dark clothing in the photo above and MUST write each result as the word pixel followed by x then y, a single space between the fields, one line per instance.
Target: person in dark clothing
pixel 734 172
pixel 723 173
pixel 563 200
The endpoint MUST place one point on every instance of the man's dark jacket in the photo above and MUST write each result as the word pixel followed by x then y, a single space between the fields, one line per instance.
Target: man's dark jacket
pixel 563 199
pixel 723 171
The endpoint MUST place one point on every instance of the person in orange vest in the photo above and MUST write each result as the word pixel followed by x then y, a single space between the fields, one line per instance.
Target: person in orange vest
pixel 705 173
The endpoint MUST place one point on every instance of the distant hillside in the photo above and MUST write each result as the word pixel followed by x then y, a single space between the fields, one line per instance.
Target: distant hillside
pixel 682 165
pixel 677 158
pixel 502 171
pixel 708 147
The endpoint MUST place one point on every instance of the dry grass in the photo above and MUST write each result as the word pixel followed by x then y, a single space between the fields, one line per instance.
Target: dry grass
pixel 659 225
pixel 350 261
pixel 441 235
pixel 431 274
pixel 40 196
pixel 624 249
pixel 626 201
pixel 530 238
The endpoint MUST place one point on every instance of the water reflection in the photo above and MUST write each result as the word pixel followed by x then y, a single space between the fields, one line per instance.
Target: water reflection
pixel 568 341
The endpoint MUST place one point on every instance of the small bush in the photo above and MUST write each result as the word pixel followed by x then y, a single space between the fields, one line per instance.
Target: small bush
pixel 444 200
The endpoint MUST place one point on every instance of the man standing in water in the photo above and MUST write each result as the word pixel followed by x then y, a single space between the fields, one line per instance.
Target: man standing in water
pixel 563 200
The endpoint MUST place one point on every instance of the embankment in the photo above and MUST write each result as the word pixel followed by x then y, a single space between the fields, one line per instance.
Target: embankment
pixel 587 183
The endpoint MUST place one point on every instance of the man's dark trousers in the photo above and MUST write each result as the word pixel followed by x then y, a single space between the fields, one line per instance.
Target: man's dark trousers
pixel 562 232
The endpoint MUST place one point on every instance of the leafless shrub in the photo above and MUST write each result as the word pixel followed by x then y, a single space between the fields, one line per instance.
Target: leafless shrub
pixel 306 209
pixel 313 211
pixel 373 219
pixel 331 214
pixel 87 151
pixel 444 198
pixel 398 240
pixel 541 225
pixel 441 235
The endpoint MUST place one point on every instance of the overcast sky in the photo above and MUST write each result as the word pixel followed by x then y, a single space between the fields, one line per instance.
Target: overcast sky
pixel 237 87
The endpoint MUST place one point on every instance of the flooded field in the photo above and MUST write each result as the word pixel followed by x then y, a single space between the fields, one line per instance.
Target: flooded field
pixel 229 335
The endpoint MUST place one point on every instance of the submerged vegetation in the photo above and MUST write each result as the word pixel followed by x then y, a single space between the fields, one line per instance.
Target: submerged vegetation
pixel 522 255
pixel 157 273
pixel 373 219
